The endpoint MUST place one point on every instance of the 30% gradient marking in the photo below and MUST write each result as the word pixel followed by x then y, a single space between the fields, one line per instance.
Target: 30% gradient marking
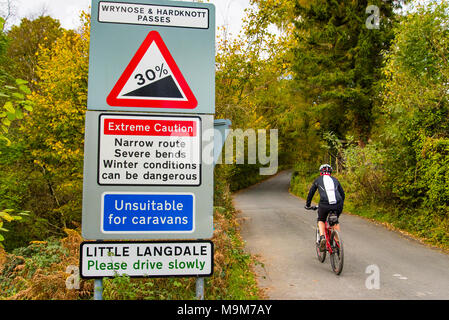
pixel 151 74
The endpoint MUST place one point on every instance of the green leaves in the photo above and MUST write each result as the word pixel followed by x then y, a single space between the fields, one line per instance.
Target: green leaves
pixel 9 107
pixel 21 82
pixel 25 40
pixel 14 107
pixel 415 109
pixel 24 89
pixel 19 114
pixel 18 95
pixel 7 215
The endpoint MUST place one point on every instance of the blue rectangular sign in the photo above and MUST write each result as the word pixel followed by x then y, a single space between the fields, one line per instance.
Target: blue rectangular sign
pixel 148 212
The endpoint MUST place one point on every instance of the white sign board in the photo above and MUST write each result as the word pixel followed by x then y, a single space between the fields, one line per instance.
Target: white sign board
pixel 153 15
pixel 149 150
pixel 144 177
pixel 146 259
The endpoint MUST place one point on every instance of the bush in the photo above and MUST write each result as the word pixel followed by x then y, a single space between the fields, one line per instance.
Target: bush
pixel 38 271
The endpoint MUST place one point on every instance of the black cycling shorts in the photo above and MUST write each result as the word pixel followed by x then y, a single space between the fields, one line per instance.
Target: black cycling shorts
pixel 323 210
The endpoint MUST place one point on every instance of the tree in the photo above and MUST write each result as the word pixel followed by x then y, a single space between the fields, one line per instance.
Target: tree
pixel 7 12
pixel 414 124
pixel 338 60
pixel 253 86
pixel 24 43
pixel 15 104
pixel 12 92
pixel 402 171
pixel 43 167
pixel 55 130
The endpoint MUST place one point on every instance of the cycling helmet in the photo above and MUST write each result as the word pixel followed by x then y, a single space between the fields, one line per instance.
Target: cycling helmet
pixel 325 169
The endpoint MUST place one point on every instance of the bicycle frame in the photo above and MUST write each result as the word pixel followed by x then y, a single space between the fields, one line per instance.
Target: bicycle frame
pixel 328 232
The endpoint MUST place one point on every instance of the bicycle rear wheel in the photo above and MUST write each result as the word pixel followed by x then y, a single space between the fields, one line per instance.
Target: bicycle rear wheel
pixel 321 255
pixel 337 255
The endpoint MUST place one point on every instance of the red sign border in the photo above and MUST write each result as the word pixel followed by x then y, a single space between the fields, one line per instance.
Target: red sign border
pixel 114 101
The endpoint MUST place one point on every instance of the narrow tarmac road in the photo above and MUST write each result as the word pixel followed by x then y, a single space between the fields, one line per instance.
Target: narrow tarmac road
pixel 277 228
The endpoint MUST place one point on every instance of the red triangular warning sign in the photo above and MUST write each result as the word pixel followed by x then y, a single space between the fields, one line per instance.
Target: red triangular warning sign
pixel 152 80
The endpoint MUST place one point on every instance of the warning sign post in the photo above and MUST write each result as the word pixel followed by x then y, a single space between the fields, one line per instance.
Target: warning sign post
pixel 144 177
pixel 157 57
pixel 151 105
pixel 151 98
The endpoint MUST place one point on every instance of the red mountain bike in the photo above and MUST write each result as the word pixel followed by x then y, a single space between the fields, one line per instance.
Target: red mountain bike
pixel 334 243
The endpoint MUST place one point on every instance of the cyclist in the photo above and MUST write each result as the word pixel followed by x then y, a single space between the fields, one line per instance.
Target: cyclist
pixel 332 198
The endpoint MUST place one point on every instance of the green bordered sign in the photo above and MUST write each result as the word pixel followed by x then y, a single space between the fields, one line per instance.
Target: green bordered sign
pixel 152 56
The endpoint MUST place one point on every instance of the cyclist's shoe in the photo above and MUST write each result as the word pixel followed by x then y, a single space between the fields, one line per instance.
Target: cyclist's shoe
pixel 322 243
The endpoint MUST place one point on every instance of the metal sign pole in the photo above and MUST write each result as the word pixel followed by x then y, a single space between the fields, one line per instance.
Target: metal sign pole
pixel 200 288
pixel 222 126
pixel 98 289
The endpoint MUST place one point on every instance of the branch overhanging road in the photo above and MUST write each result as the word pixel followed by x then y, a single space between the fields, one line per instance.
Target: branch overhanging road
pixel 276 227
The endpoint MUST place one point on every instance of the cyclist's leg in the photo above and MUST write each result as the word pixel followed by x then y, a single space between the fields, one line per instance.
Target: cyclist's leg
pixel 322 216
pixel 321 227
pixel 337 226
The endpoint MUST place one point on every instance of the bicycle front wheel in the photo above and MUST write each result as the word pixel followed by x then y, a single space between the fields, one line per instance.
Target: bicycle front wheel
pixel 337 255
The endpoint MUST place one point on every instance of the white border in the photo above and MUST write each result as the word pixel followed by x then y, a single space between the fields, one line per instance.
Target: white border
pixel 148 232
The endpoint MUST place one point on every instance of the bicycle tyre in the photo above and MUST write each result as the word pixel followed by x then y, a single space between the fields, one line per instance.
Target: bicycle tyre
pixel 321 255
pixel 337 256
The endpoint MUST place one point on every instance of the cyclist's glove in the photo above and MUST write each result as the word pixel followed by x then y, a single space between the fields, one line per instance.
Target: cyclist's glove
pixel 307 207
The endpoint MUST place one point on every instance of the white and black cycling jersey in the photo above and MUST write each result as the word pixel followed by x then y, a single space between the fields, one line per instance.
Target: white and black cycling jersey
pixel 331 192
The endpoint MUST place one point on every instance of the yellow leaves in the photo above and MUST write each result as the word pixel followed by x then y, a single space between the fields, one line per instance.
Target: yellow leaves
pixel 258 120
pixel 3 257
pixel 71 232
pixel 6 216
pixel 38 242
pixel 305 3
pixel 57 123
